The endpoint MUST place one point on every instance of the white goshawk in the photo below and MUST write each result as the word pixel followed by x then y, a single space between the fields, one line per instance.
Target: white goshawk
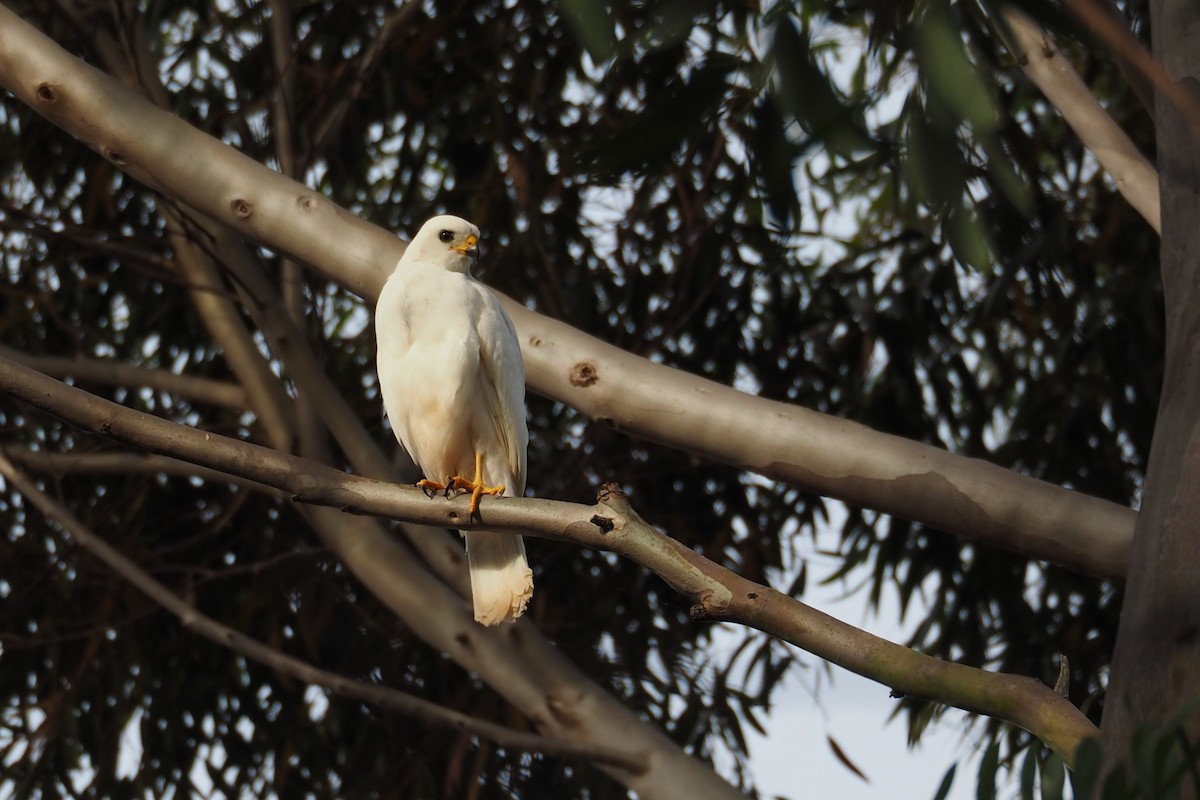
pixel 453 386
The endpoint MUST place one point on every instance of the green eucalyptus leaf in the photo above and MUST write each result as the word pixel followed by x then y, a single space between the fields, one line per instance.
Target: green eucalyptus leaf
pixel 1054 777
pixel 951 75
pixel 943 790
pixel 985 788
pixel 967 238
pixel 806 94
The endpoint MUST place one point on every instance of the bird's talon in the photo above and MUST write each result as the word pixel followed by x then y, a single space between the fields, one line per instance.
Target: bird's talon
pixel 430 488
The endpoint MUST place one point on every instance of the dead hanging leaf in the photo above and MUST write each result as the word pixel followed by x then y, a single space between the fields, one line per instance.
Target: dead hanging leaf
pixel 842 757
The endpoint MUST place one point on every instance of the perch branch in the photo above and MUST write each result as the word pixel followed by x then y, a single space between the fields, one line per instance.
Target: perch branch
pixel 611 524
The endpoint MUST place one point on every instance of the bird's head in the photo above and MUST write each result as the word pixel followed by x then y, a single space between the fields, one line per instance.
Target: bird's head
pixel 450 242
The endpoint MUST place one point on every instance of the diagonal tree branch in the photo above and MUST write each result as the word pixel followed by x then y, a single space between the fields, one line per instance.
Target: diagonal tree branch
pixel 612 525
pixel 967 497
pixel 364 66
pixel 1136 178
pixel 266 397
pixel 311 436
pixel 391 699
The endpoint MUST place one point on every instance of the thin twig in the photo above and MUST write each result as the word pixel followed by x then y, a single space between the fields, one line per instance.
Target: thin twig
pixel 363 68
pixel 391 699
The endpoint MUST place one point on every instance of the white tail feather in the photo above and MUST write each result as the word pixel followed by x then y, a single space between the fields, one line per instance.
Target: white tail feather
pixel 501 580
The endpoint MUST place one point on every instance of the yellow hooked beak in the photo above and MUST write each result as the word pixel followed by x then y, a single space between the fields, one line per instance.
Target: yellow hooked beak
pixel 469 247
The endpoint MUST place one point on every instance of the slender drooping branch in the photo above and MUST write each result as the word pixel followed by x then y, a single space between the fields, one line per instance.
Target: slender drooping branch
pixel 1133 174
pixel 123 462
pixel 831 456
pixel 612 525
pixel 391 699
pixel 118 373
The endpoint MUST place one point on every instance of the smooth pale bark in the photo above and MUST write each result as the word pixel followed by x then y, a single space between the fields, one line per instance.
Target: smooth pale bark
pixel 968 497
pixel 831 456
pixel 1156 666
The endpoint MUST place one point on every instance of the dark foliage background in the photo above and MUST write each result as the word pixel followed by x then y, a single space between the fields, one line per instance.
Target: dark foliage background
pixel 859 207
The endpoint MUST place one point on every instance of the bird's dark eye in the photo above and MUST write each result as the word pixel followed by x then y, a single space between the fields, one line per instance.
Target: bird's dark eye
pixel 446 236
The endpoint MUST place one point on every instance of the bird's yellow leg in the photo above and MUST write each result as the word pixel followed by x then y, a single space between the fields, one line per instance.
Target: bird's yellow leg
pixel 477 487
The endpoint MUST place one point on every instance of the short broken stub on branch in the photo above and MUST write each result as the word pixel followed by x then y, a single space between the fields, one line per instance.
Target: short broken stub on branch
pixel 612 495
